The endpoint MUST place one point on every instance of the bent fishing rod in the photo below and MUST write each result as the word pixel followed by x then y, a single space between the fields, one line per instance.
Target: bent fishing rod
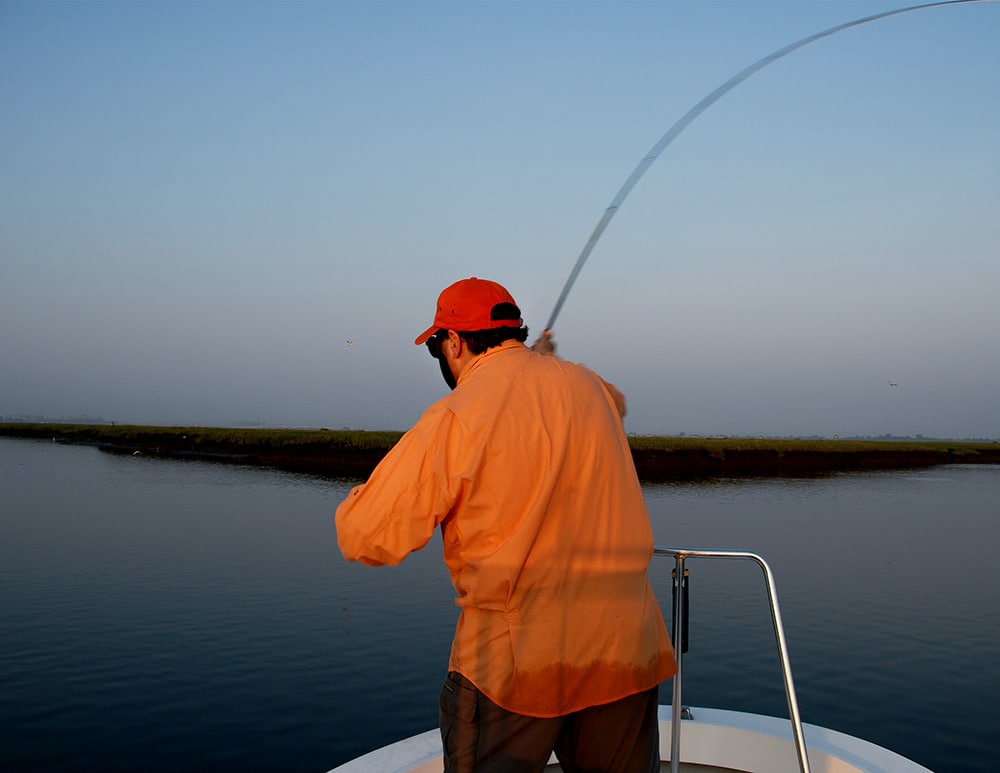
pixel 698 109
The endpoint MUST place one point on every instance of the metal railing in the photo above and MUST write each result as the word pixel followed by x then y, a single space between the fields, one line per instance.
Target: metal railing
pixel 679 624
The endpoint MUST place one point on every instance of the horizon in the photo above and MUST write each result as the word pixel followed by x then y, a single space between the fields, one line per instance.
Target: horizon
pixel 98 421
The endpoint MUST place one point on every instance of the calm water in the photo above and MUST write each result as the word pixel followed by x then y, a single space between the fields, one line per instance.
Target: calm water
pixel 175 616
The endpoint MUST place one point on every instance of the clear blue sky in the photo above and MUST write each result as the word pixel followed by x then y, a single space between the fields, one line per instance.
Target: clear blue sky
pixel 201 203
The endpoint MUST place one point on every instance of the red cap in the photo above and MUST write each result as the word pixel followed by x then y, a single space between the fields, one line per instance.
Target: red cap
pixel 472 304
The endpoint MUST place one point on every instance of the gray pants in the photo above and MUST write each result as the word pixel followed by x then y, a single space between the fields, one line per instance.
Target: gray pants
pixel 480 737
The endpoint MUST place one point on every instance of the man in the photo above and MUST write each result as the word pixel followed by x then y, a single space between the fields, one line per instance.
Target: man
pixel 525 466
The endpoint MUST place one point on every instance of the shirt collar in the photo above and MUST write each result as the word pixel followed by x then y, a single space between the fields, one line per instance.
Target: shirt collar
pixel 508 345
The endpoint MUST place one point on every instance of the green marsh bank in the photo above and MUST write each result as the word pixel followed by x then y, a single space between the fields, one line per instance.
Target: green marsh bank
pixel 354 453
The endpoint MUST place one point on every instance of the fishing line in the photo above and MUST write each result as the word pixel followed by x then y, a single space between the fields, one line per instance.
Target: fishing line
pixel 697 110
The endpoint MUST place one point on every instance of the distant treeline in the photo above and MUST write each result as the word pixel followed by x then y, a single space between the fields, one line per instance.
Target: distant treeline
pixel 354 453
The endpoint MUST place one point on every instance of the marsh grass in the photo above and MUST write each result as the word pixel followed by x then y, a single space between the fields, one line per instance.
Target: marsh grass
pixel 810 445
pixel 246 440
pixel 238 440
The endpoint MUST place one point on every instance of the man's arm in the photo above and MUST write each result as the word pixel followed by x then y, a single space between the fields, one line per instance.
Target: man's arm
pixel 396 511
pixel 617 396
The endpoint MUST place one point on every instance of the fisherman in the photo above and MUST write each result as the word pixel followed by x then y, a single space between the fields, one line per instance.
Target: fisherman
pixel 560 645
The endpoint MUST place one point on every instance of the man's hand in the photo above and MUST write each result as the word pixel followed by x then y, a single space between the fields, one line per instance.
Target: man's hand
pixel 544 344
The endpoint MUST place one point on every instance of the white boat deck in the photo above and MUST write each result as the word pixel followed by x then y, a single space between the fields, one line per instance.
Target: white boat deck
pixel 713 740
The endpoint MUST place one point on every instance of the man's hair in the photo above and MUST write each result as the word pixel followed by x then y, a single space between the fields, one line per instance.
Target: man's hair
pixel 479 341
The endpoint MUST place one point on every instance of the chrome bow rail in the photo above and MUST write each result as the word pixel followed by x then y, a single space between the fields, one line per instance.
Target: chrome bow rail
pixel 679 622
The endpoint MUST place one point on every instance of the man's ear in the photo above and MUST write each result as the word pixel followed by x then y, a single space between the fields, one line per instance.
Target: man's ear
pixel 456 343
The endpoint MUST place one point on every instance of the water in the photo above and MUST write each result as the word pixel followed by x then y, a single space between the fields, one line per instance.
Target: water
pixel 167 616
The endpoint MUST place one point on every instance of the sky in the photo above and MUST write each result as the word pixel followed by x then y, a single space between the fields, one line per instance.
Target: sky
pixel 201 204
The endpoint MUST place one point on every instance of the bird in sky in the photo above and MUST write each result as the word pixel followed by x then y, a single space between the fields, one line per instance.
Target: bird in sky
pixel 351 341
pixel 892 384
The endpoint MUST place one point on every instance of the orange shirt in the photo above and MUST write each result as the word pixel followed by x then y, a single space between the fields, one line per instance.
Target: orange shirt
pixel 527 469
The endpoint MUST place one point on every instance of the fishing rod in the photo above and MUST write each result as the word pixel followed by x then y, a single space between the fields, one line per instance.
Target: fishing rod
pixel 698 109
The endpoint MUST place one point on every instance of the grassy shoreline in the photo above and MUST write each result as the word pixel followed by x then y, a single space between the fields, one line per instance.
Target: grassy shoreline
pixel 354 453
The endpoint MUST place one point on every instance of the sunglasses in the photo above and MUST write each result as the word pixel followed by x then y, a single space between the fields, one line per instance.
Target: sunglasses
pixel 435 342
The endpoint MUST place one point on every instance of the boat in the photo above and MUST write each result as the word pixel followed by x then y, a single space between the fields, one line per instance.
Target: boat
pixel 695 739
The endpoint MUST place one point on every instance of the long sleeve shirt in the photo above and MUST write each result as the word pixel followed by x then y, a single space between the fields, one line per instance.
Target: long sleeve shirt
pixel 526 469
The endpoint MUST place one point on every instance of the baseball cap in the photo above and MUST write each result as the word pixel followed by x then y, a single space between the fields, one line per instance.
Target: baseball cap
pixel 473 304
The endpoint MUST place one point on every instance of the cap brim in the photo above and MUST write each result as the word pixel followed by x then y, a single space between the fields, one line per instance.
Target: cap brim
pixel 425 335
